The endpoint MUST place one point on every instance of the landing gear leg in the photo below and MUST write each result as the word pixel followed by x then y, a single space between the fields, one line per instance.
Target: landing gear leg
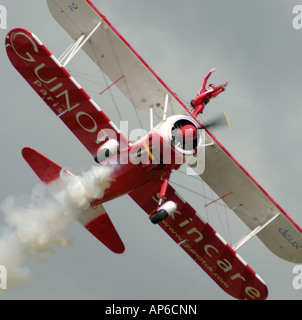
pixel 163 210
pixel 163 188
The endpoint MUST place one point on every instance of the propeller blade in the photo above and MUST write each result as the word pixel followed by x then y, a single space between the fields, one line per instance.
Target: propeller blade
pixel 219 121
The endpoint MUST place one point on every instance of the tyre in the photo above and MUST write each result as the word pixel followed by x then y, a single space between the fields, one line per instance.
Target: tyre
pixel 159 216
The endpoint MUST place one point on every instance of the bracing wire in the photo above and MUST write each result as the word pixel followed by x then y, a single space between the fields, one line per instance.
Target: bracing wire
pixel 121 72
pixel 112 98
pixel 217 206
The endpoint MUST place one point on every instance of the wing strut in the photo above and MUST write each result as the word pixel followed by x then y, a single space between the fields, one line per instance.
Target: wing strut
pixel 151 117
pixel 72 50
pixel 166 106
pixel 250 235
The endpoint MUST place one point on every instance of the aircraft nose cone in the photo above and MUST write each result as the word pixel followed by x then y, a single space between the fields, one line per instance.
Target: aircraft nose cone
pixel 188 132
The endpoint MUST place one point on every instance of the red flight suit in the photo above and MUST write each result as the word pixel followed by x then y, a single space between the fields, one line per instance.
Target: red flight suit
pixel 204 95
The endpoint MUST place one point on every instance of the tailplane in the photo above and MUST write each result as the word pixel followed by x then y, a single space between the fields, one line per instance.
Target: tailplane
pixel 94 219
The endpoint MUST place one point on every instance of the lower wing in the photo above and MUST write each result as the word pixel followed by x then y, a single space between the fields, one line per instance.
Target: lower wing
pixel 201 242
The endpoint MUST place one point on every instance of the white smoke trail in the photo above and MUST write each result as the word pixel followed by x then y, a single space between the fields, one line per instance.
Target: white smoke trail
pixel 35 226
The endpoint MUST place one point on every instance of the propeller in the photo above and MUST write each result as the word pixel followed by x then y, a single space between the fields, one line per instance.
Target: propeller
pixel 184 135
pixel 219 121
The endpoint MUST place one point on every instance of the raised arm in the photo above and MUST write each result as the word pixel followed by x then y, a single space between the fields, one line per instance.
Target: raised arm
pixel 203 87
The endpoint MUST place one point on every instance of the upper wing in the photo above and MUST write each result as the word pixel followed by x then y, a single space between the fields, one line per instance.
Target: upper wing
pixel 237 188
pixel 203 244
pixel 113 54
pixel 60 91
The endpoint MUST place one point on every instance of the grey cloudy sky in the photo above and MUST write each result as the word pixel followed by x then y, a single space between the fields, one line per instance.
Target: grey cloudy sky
pixel 255 48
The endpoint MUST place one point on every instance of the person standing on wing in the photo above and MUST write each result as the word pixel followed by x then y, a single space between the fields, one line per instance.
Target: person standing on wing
pixel 204 95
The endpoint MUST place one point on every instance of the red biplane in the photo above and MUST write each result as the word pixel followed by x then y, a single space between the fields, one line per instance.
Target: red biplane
pixel 178 138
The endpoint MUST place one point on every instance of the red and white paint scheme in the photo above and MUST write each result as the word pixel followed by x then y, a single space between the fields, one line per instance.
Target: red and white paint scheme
pixel 142 169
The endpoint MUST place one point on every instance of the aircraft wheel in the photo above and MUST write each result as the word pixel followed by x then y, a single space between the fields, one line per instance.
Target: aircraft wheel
pixel 158 216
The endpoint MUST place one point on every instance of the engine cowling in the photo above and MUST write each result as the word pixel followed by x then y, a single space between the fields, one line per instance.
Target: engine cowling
pixel 181 138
